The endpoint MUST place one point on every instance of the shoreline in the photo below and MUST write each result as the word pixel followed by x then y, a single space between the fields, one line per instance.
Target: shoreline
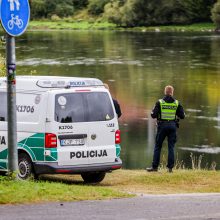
pixel 88 26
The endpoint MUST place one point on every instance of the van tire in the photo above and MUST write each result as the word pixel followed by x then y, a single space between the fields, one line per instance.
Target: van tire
pixel 25 167
pixel 93 177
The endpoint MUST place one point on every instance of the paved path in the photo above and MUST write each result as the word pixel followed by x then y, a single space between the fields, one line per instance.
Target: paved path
pixel 152 207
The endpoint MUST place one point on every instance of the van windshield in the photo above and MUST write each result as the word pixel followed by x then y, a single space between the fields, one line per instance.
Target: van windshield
pixel 83 107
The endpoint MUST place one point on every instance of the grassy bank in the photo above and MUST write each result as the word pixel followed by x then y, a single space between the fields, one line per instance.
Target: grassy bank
pixel 86 25
pixel 69 25
pixel 17 192
pixel 119 184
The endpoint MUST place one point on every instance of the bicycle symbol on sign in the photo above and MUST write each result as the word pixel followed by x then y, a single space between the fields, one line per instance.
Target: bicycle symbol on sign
pixel 15 20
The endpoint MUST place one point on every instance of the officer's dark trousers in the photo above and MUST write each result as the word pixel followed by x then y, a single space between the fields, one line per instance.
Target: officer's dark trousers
pixel 165 129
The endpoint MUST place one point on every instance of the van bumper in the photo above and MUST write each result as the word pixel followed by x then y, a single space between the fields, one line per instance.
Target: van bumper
pixel 54 168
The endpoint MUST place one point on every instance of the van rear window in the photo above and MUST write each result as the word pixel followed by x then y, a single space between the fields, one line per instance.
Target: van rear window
pixel 83 107
pixel 3 109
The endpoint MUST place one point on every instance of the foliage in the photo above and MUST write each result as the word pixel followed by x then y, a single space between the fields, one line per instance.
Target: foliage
pixel 113 12
pixel 2 66
pixel 130 13
pixel 96 7
pixel 2 59
pixel 158 12
pixel 79 4
pixel 216 14
pixel 38 9
pixel 47 8
pixel 64 10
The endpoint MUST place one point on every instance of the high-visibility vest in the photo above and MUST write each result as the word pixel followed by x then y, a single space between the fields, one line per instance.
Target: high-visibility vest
pixel 168 110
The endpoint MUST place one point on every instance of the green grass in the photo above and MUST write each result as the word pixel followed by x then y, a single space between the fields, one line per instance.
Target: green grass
pixel 103 25
pixel 180 181
pixel 201 27
pixel 118 184
pixel 67 25
pixel 17 192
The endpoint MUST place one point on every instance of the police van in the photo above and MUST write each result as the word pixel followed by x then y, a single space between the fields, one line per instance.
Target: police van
pixel 65 125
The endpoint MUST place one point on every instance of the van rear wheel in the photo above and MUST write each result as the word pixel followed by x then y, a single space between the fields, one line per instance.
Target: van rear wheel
pixel 93 177
pixel 25 168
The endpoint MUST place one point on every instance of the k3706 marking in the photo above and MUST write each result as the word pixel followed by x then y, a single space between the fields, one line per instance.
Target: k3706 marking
pixel 65 127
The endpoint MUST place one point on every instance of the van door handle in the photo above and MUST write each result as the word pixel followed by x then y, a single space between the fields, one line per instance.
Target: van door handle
pixel 73 136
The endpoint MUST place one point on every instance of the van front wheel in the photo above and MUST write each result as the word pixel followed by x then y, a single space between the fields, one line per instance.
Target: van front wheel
pixel 24 166
pixel 93 177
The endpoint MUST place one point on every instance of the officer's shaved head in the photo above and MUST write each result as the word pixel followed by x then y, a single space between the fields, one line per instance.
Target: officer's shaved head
pixel 169 90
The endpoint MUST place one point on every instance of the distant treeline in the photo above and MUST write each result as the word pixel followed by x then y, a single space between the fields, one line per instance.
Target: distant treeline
pixel 128 13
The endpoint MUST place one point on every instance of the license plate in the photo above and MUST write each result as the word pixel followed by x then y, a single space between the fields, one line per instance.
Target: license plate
pixel 72 142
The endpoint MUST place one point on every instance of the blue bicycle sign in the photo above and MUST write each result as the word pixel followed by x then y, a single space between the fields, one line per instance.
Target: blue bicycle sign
pixel 15 15
pixel 15 20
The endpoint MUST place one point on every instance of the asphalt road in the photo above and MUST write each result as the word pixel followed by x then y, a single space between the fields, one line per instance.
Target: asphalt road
pixel 152 207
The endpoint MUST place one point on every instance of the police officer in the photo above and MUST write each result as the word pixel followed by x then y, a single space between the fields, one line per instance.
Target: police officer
pixel 166 110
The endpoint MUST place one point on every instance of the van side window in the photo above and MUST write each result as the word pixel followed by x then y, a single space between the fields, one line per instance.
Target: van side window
pixel 83 107
pixel 3 109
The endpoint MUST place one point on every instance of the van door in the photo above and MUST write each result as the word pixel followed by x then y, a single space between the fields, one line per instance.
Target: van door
pixel 102 124
pixel 71 129
pixel 85 124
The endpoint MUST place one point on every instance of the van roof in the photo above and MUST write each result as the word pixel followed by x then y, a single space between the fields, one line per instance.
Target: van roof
pixel 44 83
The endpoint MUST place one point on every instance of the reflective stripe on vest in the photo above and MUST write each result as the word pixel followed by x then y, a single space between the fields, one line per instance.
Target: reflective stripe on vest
pixel 168 110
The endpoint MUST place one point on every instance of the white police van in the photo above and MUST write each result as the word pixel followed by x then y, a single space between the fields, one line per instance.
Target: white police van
pixel 65 125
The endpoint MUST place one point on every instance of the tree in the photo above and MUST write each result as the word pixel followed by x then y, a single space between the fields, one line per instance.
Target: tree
pixel 216 14
pixel 79 4
pixel 38 9
pixel 64 10
pixel 96 7
pixel 131 13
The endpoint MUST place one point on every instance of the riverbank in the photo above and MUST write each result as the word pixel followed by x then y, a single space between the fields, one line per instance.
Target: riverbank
pixel 86 25
pixel 119 184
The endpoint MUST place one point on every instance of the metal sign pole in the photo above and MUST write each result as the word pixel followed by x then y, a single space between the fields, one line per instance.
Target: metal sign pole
pixel 11 99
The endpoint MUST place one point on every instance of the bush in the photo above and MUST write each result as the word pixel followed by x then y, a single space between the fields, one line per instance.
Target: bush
pixel 2 66
pixel 38 9
pixel 112 11
pixel 79 4
pixel 64 10
pixel 131 13
pixel 216 14
pixel 96 7
pixel 55 18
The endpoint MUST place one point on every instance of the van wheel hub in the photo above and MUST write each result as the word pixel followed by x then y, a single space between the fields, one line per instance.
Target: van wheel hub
pixel 24 169
pixel 24 166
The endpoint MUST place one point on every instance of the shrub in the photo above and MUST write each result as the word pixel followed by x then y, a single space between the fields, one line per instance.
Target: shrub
pixel 2 66
pixel 79 4
pixel 156 12
pixel 96 7
pixel 216 14
pixel 55 18
pixel 38 9
pixel 112 11
pixel 64 10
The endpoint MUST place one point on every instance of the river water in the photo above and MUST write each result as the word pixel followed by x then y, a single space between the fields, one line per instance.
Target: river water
pixel 137 66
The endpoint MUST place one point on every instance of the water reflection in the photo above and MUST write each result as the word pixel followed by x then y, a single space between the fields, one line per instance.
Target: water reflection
pixel 137 66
